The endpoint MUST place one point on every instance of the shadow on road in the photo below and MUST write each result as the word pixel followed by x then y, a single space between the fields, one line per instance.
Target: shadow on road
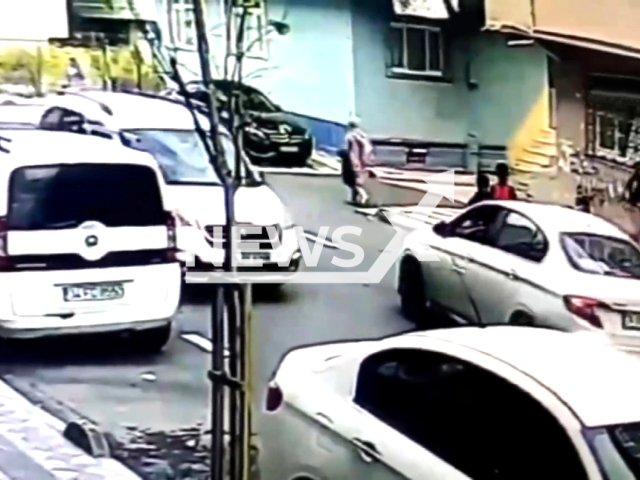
pixel 103 349
pixel 200 294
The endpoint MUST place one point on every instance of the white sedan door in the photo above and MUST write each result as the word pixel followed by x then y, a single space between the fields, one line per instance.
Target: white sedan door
pixel 464 240
pixel 497 274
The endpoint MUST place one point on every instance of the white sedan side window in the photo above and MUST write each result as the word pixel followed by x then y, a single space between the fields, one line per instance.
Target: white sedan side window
pixel 521 237
pixel 449 407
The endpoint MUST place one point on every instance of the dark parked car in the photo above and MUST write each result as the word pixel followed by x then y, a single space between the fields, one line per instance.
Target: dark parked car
pixel 271 136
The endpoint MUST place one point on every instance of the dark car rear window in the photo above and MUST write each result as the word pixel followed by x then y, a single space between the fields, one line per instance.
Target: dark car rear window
pixel 65 196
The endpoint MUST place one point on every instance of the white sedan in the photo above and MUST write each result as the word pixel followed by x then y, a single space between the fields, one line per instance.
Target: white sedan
pixel 525 263
pixel 500 402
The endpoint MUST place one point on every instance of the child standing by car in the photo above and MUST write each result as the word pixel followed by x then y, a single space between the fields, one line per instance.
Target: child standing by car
pixel 483 192
pixel 502 190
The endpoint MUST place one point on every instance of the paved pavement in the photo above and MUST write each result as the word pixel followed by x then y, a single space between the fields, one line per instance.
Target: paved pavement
pixel 32 447
pixel 156 406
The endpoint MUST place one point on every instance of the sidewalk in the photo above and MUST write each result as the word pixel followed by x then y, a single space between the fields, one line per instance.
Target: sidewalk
pixel 32 446
pixel 410 218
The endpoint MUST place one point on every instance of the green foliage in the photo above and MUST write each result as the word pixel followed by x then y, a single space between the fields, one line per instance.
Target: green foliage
pixel 36 67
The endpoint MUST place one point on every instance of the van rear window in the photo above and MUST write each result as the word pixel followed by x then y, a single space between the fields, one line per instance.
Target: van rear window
pixel 66 196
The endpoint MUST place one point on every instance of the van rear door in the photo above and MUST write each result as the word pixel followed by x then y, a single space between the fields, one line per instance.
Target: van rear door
pixel 72 229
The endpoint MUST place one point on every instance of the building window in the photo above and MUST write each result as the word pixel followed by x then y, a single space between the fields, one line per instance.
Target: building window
pixel 255 32
pixel 182 23
pixel 416 50
pixel 616 135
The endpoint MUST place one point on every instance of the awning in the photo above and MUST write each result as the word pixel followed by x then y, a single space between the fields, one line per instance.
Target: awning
pixel 609 26
pixel 590 44
pixel 430 9
pixel 614 99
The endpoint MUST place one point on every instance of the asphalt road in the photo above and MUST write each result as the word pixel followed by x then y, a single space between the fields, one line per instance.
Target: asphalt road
pixel 156 406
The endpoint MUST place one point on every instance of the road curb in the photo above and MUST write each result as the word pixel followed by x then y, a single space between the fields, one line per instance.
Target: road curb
pixel 301 172
pixel 60 421
pixel 79 429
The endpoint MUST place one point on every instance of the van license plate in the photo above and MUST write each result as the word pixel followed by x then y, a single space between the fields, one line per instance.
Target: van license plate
pixel 264 256
pixel 93 292
pixel 289 149
pixel 631 321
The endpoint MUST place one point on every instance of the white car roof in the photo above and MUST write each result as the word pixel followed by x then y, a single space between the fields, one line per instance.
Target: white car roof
pixel 42 147
pixel 133 111
pixel 558 219
pixel 594 379
pixel 22 114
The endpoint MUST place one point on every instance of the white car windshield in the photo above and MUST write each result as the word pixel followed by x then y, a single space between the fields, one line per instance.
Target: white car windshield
pixel 598 254
pixel 181 155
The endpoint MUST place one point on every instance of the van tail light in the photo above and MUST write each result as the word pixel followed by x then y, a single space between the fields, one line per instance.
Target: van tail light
pixel 585 308
pixel 274 397
pixel 6 262
pixel 172 240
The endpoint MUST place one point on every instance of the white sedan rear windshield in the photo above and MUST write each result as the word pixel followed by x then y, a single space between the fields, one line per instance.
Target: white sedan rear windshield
pixel 601 255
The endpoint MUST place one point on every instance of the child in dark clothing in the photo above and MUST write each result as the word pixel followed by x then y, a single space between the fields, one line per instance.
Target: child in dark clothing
pixel 483 192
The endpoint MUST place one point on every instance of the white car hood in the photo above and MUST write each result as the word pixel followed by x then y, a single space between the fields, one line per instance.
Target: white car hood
pixel 255 205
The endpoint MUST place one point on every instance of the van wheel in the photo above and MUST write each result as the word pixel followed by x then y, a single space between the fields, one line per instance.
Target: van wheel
pixel 153 340
pixel 412 292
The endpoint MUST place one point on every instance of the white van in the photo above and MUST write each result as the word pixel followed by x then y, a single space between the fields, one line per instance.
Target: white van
pixel 165 127
pixel 86 245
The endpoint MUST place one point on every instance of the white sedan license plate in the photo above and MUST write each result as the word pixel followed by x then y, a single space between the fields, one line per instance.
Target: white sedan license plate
pixel 264 256
pixel 631 321
pixel 289 149
pixel 93 292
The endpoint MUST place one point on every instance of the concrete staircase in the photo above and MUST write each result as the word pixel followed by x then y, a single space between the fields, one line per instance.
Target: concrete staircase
pixel 541 155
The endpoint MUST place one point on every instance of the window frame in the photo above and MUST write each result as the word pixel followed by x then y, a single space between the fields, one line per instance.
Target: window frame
pixel 260 49
pixel 406 72
pixel 506 212
pixel 456 222
pixel 177 12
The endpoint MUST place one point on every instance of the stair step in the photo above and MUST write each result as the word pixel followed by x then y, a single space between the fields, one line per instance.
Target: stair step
pixel 545 141
pixel 545 151
pixel 530 169
pixel 533 162
pixel 547 134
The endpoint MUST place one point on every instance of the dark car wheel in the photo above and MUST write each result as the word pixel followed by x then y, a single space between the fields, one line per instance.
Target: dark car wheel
pixel 522 319
pixel 302 162
pixel 153 340
pixel 412 291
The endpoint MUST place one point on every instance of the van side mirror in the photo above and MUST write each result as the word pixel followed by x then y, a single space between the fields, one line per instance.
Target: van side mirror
pixel 441 229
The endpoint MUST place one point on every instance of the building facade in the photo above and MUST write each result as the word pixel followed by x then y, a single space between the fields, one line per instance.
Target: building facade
pixel 413 78
pixel 464 82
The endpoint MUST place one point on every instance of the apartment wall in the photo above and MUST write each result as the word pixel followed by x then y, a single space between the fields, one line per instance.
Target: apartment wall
pixel 571 102
pixel 495 91
pixel 510 104
pixel 308 72
pixel 408 109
